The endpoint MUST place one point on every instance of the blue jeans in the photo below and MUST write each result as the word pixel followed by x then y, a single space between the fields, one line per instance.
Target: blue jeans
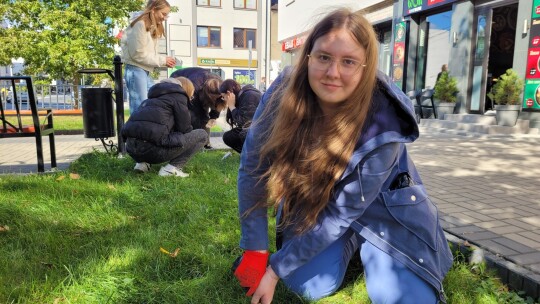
pixel 138 81
pixel 387 280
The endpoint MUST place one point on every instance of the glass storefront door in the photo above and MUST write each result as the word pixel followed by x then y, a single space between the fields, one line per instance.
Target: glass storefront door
pixel 434 44
pixel 494 41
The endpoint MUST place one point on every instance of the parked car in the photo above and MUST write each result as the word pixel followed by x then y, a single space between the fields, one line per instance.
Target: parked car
pixel 21 97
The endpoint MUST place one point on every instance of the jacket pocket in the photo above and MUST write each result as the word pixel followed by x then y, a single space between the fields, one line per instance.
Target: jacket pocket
pixel 412 208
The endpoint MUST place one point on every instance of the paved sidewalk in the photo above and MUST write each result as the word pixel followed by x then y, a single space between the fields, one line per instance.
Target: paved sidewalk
pixel 485 189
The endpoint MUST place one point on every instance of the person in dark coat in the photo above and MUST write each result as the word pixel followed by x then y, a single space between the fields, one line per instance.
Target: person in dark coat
pixel 241 105
pixel 160 129
pixel 207 103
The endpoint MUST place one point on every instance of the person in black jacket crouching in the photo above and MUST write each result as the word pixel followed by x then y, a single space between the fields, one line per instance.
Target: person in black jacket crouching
pixel 207 104
pixel 241 105
pixel 160 129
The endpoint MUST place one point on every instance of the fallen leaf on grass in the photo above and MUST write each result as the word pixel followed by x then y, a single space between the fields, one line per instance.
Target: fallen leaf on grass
pixel 172 255
pixel 58 300
pixel 4 228
pixel 110 186
pixel 61 177
pixel 74 176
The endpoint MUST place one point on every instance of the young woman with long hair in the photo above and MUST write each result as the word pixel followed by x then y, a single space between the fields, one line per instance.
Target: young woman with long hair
pixel 326 150
pixel 140 50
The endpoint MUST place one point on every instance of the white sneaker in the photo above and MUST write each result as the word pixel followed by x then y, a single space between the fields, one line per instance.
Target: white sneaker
pixel 142 167
pixel 170 170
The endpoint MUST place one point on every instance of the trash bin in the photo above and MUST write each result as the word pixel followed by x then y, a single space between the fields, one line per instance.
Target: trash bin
pixel 97 111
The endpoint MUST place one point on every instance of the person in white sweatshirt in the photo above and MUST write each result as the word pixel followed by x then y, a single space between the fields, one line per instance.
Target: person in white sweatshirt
pixel 140 50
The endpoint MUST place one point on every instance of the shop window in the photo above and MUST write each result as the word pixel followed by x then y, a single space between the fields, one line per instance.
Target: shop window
pixel 245 4
pixel 216 3
pixel 242 36
pixel 208 36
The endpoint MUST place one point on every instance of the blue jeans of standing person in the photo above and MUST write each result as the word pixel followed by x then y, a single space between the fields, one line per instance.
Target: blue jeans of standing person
pixel 138 81
pixel 147 152
pixel 387 280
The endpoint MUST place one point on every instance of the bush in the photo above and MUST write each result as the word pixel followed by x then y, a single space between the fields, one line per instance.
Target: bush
pixel 446 88
pixel 508 89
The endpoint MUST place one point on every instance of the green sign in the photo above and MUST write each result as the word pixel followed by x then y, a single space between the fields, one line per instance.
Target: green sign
pixel 208 61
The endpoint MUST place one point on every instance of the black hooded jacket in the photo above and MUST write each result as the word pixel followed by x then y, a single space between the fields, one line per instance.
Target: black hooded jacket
pixel 201 113
pixel 162 119
pixel 246 103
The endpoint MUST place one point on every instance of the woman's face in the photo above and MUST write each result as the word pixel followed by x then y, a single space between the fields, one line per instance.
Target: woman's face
pixel 335 67
pixel 162 14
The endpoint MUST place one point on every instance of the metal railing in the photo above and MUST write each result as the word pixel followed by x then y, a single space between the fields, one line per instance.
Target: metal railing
pixel 60 97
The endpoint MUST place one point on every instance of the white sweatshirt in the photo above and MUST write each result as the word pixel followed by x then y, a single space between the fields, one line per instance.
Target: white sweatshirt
pixel 140 49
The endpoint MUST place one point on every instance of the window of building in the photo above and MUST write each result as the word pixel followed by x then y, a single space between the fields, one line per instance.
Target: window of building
pixel 242 36
pixel 246 4
pixel 209 3
pixel 208 36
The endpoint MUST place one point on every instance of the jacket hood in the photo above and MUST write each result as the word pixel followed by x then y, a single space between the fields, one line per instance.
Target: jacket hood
pixel 163 88
pixel 391 119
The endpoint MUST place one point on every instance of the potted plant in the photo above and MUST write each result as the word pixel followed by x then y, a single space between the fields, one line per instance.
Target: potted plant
pixel 446 92
pixel 506 94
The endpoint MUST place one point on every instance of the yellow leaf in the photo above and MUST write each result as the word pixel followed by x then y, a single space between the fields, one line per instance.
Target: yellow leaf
pixel 110 186
pixel 4 228
pixel 164 250
pixel 61 177
pixel 74 176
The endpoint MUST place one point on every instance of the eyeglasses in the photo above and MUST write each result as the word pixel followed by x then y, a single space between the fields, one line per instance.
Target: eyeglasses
pixel 346 66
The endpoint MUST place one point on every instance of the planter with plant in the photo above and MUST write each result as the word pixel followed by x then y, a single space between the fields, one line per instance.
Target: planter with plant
pixel 446 93
pixel 506 94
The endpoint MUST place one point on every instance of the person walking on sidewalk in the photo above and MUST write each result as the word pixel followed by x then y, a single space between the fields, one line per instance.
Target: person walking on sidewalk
pixel 207 102
pixel 160 129
pixel 241 105
pixel 140 50
pixel 327 151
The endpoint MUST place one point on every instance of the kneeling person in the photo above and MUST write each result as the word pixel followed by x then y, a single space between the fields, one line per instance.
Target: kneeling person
pixel 160 129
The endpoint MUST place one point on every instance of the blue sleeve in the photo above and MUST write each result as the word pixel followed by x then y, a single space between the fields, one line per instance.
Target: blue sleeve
pixel 344 208
pixel 251 188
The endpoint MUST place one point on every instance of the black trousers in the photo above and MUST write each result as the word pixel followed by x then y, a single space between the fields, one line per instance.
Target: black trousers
pixel 235 138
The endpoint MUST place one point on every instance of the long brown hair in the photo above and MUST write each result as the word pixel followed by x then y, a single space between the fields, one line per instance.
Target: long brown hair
pixel 309 152
pixel 156 29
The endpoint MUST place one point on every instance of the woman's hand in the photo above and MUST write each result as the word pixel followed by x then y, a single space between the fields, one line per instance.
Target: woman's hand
pixel 230 100
pixel 265 292
pixel 170 62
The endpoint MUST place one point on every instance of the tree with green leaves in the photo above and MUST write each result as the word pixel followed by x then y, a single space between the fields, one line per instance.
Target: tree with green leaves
pixel 446 88
pixel 56 38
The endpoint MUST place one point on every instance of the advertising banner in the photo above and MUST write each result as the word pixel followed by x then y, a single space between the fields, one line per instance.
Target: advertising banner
pixel 244 77
pixel 531 94
pixel 398 61
pixel 415 6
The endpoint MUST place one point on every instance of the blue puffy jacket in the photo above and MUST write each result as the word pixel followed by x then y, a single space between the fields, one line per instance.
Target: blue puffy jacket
pixel 403 223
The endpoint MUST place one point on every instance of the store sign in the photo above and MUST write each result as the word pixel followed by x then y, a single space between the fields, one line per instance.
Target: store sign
pixel 531 94
pixel 294 43
pixel 244 77
pixel 415 6
pixel 398 62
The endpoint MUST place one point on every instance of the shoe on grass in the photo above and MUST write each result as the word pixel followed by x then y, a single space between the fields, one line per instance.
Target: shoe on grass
pixel 142 167
pixel 170 170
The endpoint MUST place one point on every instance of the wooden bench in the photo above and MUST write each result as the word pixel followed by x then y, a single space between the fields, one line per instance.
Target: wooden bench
pixel 11 125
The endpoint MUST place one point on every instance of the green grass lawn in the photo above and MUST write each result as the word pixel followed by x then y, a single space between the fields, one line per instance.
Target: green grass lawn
pixel 93 233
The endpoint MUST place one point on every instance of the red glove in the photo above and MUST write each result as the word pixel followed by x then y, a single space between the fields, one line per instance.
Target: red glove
pixel 251 270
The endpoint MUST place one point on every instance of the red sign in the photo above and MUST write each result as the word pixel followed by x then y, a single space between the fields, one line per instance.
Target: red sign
pixel 433 2
pixel 293 43
pixel 529 102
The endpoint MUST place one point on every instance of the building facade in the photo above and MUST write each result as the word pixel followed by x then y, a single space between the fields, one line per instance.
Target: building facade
pixel 478 40
pixel 227 37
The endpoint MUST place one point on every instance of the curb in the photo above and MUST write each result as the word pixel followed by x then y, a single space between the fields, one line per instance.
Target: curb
pixel 81 132
pixel 516 277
